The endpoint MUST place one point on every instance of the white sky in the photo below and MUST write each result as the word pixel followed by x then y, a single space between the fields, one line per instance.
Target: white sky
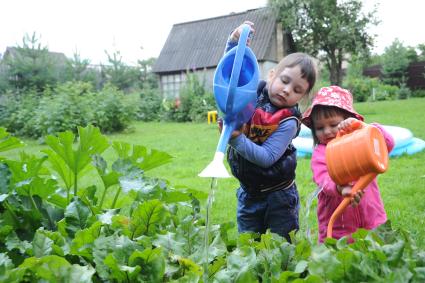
pixel 93 26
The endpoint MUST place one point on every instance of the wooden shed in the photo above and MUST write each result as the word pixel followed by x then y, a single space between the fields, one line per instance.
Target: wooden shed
pixel 198 46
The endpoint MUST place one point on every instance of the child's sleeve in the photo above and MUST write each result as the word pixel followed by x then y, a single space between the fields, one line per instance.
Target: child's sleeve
pixel 320 172
pixel 266 154
pixel 389 140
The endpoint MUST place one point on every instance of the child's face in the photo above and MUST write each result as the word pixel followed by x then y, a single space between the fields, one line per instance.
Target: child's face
pixel 287 88
pixel 326 128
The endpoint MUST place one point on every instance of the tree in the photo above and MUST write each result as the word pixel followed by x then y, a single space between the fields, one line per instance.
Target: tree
pixel 147 77
pixel 395 61
pixel 79 70
pixel 421 49
pixel 31 65
pixel 328 29
pixel 118 73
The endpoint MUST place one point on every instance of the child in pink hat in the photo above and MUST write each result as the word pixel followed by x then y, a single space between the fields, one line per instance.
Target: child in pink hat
pixel 332 110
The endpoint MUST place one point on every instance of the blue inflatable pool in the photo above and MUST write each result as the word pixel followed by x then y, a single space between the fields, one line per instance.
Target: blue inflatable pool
pixel 405 142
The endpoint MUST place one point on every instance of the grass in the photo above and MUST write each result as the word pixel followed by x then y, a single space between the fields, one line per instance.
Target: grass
pixel 193 146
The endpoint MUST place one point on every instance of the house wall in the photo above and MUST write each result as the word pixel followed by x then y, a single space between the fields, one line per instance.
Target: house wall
pixel 171 83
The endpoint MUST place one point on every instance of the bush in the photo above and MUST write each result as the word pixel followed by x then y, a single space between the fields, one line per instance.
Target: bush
pixel 418 93
pixel 17 111
pixel 370 89
pixel 404 92
pixel 361 87
pixel 150 105
pixel 385 92
pixel 64 108
pixel 193 104
pixel 112 111
pixel 200 106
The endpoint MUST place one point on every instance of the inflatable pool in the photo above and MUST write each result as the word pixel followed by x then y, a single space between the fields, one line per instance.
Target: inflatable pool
pixel 405 143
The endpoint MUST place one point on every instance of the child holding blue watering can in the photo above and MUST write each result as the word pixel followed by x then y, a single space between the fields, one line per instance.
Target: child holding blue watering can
pixel 332 111
pixel 261 155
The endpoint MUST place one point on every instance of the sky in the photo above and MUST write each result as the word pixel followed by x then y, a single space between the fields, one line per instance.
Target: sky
pixel 139 28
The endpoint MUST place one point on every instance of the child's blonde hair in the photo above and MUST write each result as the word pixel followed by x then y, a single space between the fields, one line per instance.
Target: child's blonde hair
pixel 307 67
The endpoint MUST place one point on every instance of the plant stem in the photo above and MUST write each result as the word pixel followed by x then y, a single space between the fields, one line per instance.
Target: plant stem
pixel 67 195
pixel 32 200
pixel 75 184
pixel 103 196
pixel 14 216
pixel 116 197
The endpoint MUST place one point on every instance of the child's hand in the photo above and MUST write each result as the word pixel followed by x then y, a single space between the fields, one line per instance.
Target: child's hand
pixel 345 191
pixel 234 133
pixel 346 126
pixel 234 37
pixel 239 132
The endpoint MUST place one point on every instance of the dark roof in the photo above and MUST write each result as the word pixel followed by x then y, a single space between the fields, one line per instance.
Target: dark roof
pixel 57 57
pixel 200 44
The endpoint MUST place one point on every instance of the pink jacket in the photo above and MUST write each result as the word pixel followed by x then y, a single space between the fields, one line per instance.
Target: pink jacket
pixel 370 212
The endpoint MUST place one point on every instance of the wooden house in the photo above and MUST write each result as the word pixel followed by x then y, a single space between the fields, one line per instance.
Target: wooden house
pixel 198 46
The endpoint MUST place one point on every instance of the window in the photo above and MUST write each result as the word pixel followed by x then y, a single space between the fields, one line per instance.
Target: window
pixel 171 85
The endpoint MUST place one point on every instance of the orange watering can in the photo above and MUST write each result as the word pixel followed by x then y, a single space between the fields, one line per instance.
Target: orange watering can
pixel 358 154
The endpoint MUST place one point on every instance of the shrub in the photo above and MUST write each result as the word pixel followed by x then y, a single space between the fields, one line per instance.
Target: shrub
pixel 404 92
pixel 17 111
pixel 370 89
pixel 66 108
pixel 200 106
pixel 112 110
pixel 193 103
pixel 418 93
pixel 150 105
pixel 361 87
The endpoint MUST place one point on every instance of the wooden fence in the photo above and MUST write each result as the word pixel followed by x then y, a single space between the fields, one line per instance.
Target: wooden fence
pixel 415 73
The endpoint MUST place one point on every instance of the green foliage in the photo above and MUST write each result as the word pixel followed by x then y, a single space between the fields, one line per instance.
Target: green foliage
pixel 17 112
pixel 370 89
pixel 192 105
pixel 404 92
pixel 150 104
pixel 118 73
pixel 418 93
pixel 32 65
pixel 147 77
pixel 78 69
pixel 154 233
pixel 328 29
pixel 365 88
pixel 421 49
pixel 112 110
pixel 395 62
pixel 7 142
pixel 66 107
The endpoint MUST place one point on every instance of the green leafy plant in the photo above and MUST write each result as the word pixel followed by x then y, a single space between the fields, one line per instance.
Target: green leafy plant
pixel 68 162
pixel 155 233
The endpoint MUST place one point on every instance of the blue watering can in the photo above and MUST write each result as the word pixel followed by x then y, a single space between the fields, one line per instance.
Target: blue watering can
pixel 235 92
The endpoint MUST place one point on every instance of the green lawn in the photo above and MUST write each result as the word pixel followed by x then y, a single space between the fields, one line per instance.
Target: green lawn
pixel 193 146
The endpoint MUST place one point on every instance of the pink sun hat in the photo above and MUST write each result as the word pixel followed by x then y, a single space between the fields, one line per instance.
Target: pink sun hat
pixel 331 96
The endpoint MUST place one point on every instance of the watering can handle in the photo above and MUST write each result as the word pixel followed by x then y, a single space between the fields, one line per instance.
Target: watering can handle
pixel 355 125
pixel 237 65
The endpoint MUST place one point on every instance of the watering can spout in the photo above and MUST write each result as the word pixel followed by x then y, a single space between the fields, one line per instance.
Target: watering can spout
pixel 216 168
pixel 235 91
